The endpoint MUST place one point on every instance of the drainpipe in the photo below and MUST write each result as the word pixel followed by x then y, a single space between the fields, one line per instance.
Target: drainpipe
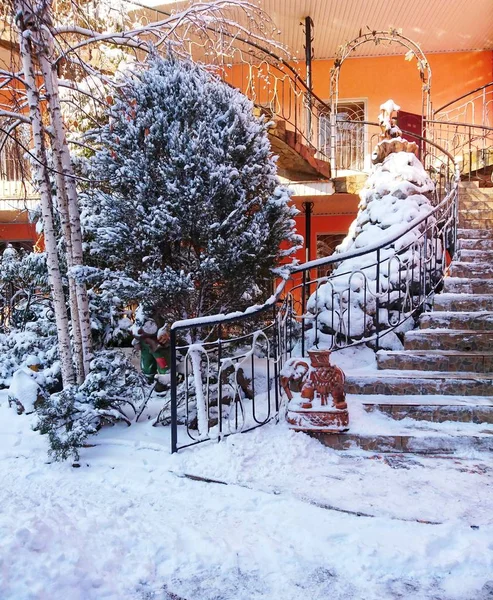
pixel 308 206
pixel 308 60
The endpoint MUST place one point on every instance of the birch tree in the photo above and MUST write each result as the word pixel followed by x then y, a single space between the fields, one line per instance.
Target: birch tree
pixel 75 38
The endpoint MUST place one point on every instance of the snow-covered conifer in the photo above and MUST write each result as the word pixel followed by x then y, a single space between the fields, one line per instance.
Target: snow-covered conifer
pixel 192 209
pixel 398 192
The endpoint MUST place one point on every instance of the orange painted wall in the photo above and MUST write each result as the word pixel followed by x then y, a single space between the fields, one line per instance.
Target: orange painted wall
pixel 385 77
pixel 380 78
pixel 13 232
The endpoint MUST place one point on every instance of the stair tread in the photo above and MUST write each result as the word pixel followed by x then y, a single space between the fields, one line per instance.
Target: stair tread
pixel 459 313
pixel 462 296
pixel 418 375
pixel 467 280
pixel 435 352
pixel 410 400
pixel 434 331
pixel 378 424
pixel 463 263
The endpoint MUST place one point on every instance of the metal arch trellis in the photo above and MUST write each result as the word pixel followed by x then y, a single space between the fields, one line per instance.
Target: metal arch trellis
pixel 378 37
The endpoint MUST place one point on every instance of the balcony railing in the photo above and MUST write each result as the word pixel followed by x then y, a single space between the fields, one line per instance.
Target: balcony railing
pixel 15 171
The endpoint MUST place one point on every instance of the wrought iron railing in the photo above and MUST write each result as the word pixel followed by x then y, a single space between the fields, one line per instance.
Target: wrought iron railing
pixel 225 368
pixel 475 107
pixel 15 172
pixel 277 89
pixel 470 145
pixel 464 127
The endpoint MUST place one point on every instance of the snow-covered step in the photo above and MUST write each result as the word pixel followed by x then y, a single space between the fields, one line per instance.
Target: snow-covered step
pixel 467 285
pixel 469 184
pixel 378 432
pixel 476 212
pixel 476 256
pixel 477 234
pixel 463 302
pixel 436 360
pixel 407 443
pixel 437 409
pixel 476 203
pixel 444 339
pixel 475 244
pixel 469 269
pixel 473 194
pixel 397 382
pixel 472 320
pixel 476 223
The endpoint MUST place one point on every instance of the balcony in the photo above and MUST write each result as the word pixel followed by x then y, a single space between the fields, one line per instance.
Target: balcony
pixel 16 190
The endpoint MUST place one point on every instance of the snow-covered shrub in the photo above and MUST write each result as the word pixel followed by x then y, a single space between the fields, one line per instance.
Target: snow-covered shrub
pixel 397 192
pixel 192 210
pixel 29 332
pixel 24 288
pixel 35 344
pixel 112 297
pixel 111 389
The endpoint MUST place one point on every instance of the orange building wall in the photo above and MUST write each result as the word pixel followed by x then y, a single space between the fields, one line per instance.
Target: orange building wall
pixel 15 232
pixel 381 78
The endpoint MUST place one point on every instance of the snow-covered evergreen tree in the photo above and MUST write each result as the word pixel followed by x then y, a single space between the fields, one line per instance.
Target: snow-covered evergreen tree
pixel 192 209
pixel 397 192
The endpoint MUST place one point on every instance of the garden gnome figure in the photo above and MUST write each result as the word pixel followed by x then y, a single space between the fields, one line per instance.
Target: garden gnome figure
pixel 154 347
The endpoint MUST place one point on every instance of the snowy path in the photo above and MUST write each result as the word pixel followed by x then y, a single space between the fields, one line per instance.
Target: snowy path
pixel 127 526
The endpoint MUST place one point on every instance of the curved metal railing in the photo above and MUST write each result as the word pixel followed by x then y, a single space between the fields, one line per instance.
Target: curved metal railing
pixel 474 107
pixel 277 90
pixel 464 127
pixel 230 381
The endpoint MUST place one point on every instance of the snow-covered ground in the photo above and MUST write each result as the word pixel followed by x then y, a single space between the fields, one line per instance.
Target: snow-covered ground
pixel 277 522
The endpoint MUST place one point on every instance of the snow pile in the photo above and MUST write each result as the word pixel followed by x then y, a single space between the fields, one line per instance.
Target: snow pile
pixel 24 390
pixel 131 523
pixel 397 193
pixel 18 348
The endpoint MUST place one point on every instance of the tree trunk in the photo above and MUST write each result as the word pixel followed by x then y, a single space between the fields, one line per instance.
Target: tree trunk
pixel 40 166
pixel 62 210
pixel 69 191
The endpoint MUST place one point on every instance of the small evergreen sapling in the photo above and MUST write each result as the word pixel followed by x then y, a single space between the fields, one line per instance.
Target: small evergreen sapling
pixel 70 416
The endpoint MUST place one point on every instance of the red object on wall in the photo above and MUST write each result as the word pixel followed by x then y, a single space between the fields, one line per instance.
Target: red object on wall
pixel 414 124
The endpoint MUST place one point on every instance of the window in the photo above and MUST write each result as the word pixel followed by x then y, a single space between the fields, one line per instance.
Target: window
pixel 326 244
pixel 26 245
pixel 14 166
pixel 350 135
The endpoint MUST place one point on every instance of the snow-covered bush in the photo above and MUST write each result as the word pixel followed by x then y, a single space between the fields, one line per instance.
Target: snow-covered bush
pixel 112 297
pixel 396 193
pixel 36 342
pixel 111 390
pixel 29 332
pixel 24 287
pixel 192 210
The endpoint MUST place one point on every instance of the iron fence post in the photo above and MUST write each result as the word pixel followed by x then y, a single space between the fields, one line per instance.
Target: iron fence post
pixel 303 307
pixel 219 384
pixel 174 408
pixel 276 356
pixel 377 300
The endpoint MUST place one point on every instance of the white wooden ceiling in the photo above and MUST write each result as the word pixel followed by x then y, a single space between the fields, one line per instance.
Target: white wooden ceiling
pixel 436 25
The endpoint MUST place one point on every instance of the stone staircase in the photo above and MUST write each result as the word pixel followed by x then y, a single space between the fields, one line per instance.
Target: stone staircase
pixel 436 395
